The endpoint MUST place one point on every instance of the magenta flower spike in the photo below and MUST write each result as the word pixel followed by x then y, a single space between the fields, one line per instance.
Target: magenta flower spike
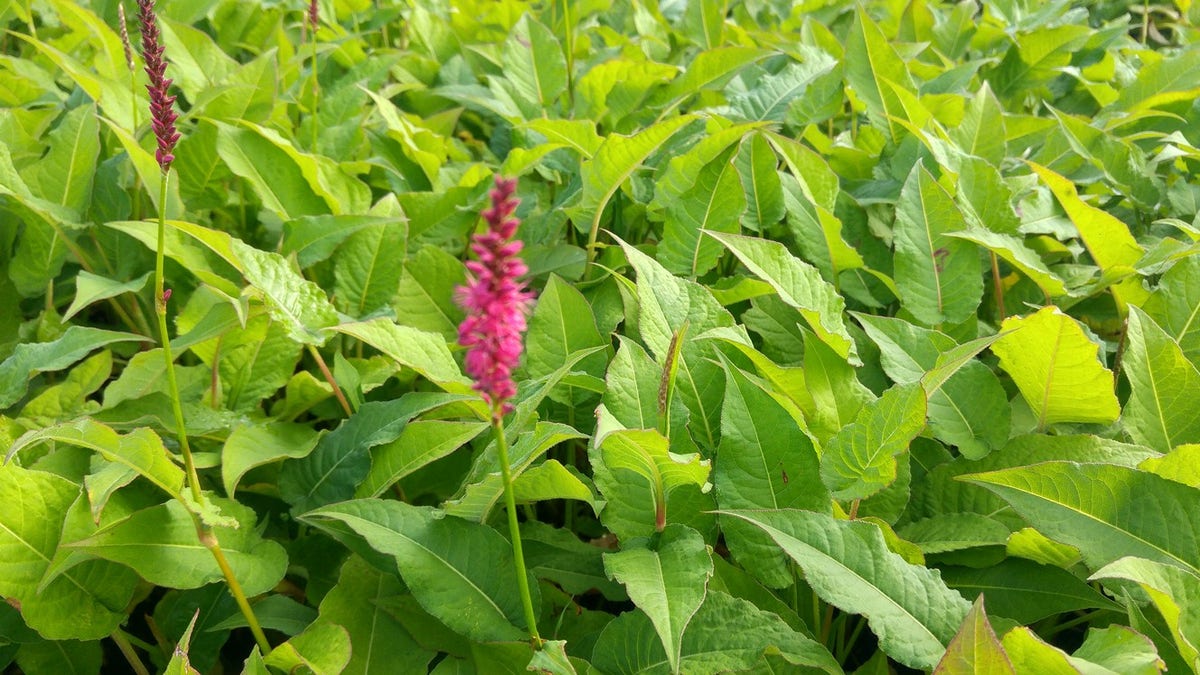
pixel 314 15
pixel 162 112
pixel 497 302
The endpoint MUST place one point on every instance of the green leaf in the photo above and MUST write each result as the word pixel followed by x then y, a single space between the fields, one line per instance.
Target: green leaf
pixel 534 64
pixel 300 305
pixel 1175 306
pixel 872 63
pixel 484 486
pixel 314 238
pixel 140 450
pixel 1029 654
pixel 1159 82
pixel 765 460
pixel 366 276
pixel 954 532
pixel 981 132
pixel 1180 465
pixel 61 656
pixel 714 202
pixel 1175 593
pixel 420 443
pixel 253 445
pixel 645 484
pixel 460 572
pixel 273 175
pixel 424 352
pixel 667 582
pixel 799 285
pixel 861 459
pixel 1014 252
pixel 616 160
pixel 848 564
pixel 773 94
pixel 1104 510
pixel 1055 366
pixel 1025 591
pixel 837 395
pixel 975 649
pixel 710 69
pixel 939 277
pixel 64 175
pixel 379 643
pixel 87 602
pixel 726 635
pixel 323 649
pixel 969 410
pixel 562 324
pixel 29 358
pixel 1162 412
pixel 1107 239
pixel 758 169
pixel 425 299
pixel 160 544
pixel 92 288
pixel 342 459
pixel 551 480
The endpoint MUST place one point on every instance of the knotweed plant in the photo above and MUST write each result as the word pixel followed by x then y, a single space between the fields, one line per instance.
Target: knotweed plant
pixel 163 116
pixel 313 20
pixel 497 303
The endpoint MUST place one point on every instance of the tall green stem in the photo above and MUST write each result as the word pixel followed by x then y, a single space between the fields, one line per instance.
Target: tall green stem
pixel 514 531
pixel 316 91
pixel 207 536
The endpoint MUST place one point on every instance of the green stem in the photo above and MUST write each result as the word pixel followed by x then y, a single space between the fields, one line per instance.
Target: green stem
pixel 998 287
pixel 205 533
pixel 316 91
pixel 514 531
pixel 118 638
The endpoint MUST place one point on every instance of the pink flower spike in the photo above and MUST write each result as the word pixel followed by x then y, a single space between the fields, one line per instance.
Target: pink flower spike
pixel 314 15
pixel 162 112
pixel 497 302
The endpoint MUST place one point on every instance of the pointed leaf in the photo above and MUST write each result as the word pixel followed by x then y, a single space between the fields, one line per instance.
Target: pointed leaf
pixel 871 62
pixel 667 582
pixel 29 358
pixel 1174 592
pixel 714 202
pixel 460 572
pixel 1175 306
pixel 424 352
pixel 939 277
pixel 1105 511
pixel 1163 411
pixel 861 459
pixel 975 649
pixel 848 564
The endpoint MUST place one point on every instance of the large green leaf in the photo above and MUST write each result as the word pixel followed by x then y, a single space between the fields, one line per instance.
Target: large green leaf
pixel 1024 590
pixel 379 642
pixel 64 175
pixel 758 168
pixel 667 581
pixel 876 73
pixel 1055 366
pixel 160 543
pixel 253 445
pixel 420 443
pixel 1163 411
pixel 848 564
pixel 424 352
pixel 765 460
pixel 341 460
pixel 140 450
pixel 366 276
pixel 714 203
pixel 534 65
pixel 29 358
pixel 87 602
pixel 799 285
pixel 562 324
pixel 861 459
pixel 1104 510
pixel 274 176
pixel 939 277
pixel 460 572
pixel 726 635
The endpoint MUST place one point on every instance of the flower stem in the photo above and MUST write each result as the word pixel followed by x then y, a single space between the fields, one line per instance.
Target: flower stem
pixel 337 390
pixel 510 503
pixel 316 91
pixel 205 533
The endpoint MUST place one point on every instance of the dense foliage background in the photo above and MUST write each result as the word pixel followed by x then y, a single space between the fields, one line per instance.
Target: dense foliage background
pixel 850 315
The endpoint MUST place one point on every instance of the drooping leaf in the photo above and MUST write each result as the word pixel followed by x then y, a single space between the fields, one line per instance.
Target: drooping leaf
pixel 667 582
pixel 253 445
pixel 1104 510
pixel 92 288
pixel 799 285
pixel 848 564
pixel 460 572
pixel 1162 411
pixel 29 358
pixel 1055 366
pixel 939 277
